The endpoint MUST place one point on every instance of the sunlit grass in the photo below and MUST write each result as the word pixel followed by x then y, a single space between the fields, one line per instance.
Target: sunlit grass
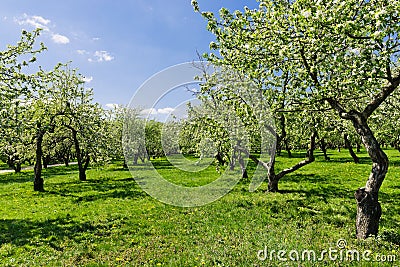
pixel 109 221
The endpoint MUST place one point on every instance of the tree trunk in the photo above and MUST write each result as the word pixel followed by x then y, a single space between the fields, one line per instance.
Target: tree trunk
pixel 83 167
pixel 46 161
pixel 358 147
pixel 287 147
pixel 273 184
pixel 82 171
pixel 273 178
pixel 242 166
pixel 232 161
pixel 278 146
pixel 17 167
pixel 368 206
pixel 220 159
pixel 38 183
pixel 14 163
pixel 323 148
pixel 82 174
pixel 283 138
pixel 348 145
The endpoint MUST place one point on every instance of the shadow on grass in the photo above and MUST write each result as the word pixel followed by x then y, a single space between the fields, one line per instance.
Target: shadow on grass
pixel 52 231
pixel 22 177
pixel 98 189
pixel 61 170
pixel 363 160
pixel 325 193
pixel 28 175
pixel 310 177
pixel 394 162
pixel 162 164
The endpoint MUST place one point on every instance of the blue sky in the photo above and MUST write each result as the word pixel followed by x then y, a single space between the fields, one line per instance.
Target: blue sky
pixel 116 44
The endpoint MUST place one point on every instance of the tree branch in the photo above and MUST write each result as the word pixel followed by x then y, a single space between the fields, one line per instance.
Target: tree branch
pixel 379 98
pixel 309 158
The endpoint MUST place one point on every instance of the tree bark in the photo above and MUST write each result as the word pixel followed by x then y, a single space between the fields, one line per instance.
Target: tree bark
pixel 46 161
pixel 17 167
pixel 348 145
pixel 368 206
pixel 323 148
pixel 242 166
pixel 273 180
pixel 220 159
pixel 14 163
pixel 278 146
pixel 232 161
pixel 287 147
pixel 358 147
pixel 283 138
pixel 79 158
pixel 38 183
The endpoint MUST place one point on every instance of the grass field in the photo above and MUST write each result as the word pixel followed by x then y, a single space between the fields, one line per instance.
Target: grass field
pixel 109 221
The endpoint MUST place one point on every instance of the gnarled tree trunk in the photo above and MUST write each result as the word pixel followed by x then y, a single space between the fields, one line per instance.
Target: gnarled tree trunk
pixel 368 206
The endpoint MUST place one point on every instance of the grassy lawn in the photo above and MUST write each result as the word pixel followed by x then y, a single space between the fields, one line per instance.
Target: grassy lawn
pixel 109 221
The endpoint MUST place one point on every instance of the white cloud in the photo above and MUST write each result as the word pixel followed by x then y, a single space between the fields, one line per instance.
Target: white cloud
pixel 153 111
pixel 34 21
pixel 112 105
pixel 87 79
pixel 101 56
pixel 165 110
pixel 60 39
pixel 82 52
pixel 96 39
pixel 149 111
pixel 42 23
pixel 41 20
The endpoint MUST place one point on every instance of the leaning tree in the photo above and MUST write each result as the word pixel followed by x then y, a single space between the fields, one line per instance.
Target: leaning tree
pixel 342 55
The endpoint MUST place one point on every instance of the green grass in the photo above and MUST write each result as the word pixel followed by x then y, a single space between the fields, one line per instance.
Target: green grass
pixel 109 221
